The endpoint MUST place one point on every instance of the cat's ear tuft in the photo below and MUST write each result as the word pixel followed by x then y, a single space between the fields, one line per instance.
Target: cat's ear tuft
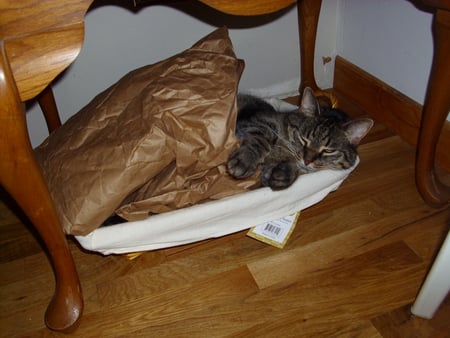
pixel 357 129
pixel 309 105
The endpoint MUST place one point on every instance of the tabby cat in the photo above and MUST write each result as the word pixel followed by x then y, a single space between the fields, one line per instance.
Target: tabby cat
pixel 288 144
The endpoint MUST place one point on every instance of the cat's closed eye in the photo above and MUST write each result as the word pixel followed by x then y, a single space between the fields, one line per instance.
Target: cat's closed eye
pixel 329 151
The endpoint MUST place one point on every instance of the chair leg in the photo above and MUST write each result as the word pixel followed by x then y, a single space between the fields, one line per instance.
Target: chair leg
pixel 21 176
pixel 436 286
pixel 435 110
pixel 308 18
pixel 47 103
pixel 437 104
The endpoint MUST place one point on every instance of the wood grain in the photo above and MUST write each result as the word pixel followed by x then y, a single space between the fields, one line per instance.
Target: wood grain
pixel 52 53
pixel 239 7
pixel 351 268
pixel 41 39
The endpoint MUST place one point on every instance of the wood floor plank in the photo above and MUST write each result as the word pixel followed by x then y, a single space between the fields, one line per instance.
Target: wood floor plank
pixel 297 329
pixel 290 265
pixel 203 298
pixel 323 302
pixel 400 323
pixel 433 230
pixel 175 273
pixel 20 294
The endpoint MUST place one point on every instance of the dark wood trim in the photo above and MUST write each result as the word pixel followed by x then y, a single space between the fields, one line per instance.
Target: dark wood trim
pixel 387 105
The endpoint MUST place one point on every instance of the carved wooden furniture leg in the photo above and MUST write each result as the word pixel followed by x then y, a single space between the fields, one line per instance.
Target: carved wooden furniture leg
pixel 48 105
pixel 308 17
pixel 437 105
pixel 18 164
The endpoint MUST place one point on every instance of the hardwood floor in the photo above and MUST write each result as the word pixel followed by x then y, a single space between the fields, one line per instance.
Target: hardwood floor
pixel 352 268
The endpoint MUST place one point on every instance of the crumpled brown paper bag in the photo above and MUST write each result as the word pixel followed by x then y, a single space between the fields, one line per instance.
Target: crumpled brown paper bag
pixel 156 140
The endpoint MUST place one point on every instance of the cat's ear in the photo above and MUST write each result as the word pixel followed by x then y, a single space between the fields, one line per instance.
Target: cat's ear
pixel 309 105
pixel 357 129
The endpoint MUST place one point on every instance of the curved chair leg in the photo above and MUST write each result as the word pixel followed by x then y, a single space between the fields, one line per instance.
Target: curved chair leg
pixel 308 18
pixel 21 176
pixel 437 105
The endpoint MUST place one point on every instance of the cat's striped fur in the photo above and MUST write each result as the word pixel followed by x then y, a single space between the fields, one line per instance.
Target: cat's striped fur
pixel 288 144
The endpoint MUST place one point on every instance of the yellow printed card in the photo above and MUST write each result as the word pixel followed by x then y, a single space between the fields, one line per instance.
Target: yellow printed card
pixel 277 232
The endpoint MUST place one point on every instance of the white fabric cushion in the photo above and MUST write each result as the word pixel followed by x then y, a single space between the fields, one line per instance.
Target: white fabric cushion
pixel 215 218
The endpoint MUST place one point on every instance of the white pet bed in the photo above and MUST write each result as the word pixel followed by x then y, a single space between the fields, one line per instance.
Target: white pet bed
pixel 214 219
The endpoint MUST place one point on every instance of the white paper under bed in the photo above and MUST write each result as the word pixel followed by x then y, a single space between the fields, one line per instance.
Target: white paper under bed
pixel 215 218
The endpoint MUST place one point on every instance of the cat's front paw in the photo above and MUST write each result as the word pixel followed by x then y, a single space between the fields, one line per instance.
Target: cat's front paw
pixel 241 164
pixel 279 176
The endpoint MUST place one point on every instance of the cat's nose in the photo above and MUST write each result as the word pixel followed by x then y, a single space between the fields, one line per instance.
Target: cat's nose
pixel 309 156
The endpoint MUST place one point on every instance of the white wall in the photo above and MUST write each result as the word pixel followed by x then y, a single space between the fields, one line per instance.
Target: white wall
pixel 391 39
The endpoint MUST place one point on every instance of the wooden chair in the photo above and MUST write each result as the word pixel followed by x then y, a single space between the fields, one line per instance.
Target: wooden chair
pixel 42 38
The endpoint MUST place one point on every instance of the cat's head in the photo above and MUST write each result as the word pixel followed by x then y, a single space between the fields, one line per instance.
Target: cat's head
pixel 324 140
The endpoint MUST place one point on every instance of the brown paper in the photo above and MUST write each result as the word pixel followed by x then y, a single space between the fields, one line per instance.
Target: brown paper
pixel 170 190
pixel 156 140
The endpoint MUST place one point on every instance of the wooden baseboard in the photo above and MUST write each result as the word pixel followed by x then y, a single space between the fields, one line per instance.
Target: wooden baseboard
pixel 386 105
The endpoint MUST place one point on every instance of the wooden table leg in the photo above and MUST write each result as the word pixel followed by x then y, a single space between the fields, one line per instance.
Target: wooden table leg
pixel 21 176
pixel 47 102
pixel 308 18
pixel 435 110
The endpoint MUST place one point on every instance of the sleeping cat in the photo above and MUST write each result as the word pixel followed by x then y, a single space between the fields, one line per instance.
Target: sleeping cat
pixel 288 144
